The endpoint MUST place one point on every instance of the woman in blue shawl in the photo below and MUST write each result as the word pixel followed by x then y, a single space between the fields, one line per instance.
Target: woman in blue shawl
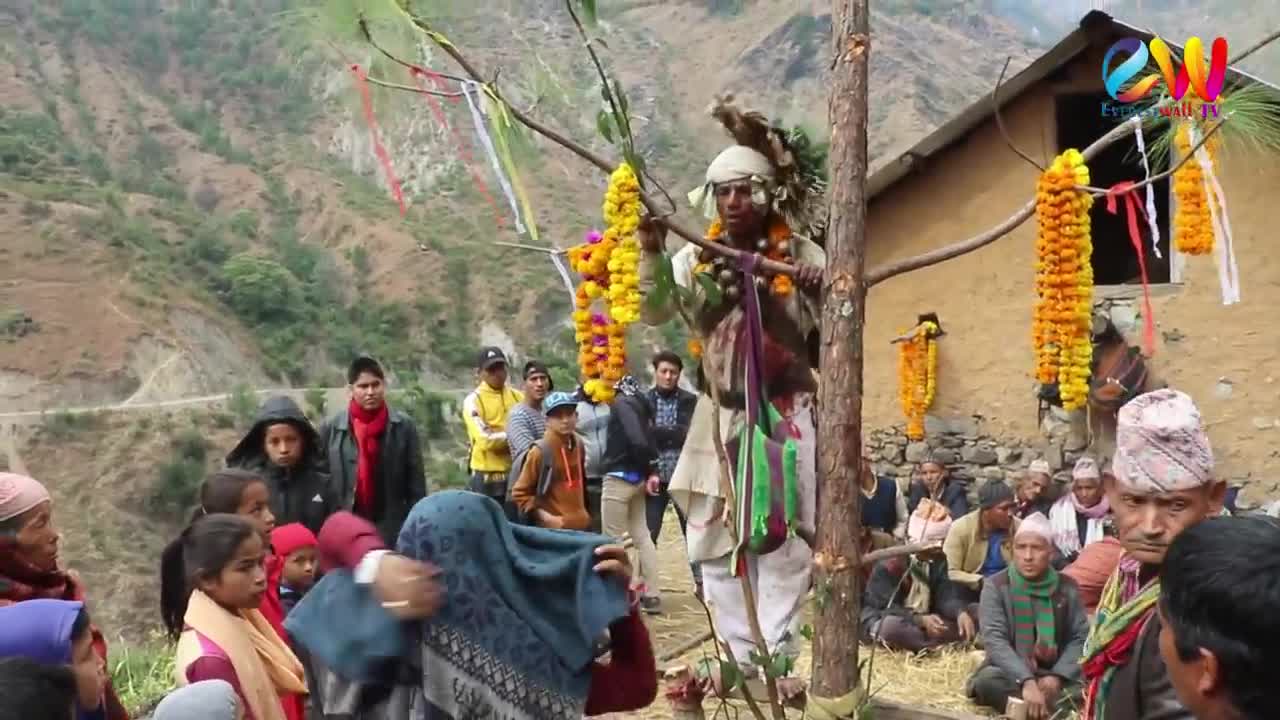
pixel 57 632
pixel 515 634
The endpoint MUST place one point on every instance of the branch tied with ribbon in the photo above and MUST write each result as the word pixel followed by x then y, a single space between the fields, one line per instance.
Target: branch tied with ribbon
pixel 1134 208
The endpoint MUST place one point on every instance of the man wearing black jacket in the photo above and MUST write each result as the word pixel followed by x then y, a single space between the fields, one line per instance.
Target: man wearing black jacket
pixel 631 471
pixel 672 410
pixel 373 453
pixel 284 449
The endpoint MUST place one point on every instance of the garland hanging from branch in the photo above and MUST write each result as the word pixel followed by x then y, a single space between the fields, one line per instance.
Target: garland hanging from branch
pixel 1062 324
pixel 918 375
pixel 1193 222
pixel 608 298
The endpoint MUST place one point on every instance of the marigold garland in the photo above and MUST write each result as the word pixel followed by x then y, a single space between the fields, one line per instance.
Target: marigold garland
pixel 918 376
pixel 1064 280
pixel 1192 223
pixel 609 264
pixel 778 247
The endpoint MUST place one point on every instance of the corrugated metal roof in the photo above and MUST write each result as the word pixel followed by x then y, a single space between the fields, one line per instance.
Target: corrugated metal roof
pixel 1067 49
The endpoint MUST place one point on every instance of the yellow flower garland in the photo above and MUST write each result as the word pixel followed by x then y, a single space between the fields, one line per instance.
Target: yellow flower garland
pixel 918 376
pixel 609 264
pixel 1192 223
pixel 1062 324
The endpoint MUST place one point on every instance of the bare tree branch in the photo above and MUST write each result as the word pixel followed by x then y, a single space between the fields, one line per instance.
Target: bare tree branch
pixel 521 246
pixel 410 88
pixel 1265 41
pixel 768 266
pixel 1099 192
pixel 995 107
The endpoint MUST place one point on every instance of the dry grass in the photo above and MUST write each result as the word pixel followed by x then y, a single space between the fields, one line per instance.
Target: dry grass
pixel 933 681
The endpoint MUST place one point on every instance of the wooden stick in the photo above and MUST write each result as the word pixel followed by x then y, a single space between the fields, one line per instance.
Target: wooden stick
pixel 535 248
pixel 995 107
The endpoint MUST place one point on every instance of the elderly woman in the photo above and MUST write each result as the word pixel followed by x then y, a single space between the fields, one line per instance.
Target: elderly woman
pixel 1080 517
pixel 29 561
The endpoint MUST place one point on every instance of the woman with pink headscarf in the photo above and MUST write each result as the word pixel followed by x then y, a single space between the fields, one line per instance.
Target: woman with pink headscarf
pixel 1080 517
pixel 910 603
pixel 30 566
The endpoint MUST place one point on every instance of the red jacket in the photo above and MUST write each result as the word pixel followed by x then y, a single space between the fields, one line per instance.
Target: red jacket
pixel 628 682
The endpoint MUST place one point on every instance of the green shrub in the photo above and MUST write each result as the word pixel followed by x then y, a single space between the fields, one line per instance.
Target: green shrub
pixel 64 425
pixel 142 674
pixel 315 399
pixel 177 485
pixel 243 404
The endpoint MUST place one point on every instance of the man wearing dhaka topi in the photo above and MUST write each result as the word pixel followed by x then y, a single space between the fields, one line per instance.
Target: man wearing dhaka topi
pixel 757 192
pixel 1162 484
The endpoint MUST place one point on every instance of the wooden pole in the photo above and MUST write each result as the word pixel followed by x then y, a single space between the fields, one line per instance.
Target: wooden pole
pixel 835 645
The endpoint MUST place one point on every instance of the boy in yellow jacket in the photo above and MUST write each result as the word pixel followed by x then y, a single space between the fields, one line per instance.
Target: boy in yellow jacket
pixel 485 413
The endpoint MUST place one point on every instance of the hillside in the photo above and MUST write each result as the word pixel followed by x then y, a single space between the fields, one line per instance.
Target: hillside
pixel 211 193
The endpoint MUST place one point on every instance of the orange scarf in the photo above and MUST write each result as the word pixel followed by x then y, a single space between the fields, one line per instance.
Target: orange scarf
pixel 265 667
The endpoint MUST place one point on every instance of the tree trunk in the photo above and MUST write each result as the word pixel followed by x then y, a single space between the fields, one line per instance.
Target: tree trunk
pixel 835 647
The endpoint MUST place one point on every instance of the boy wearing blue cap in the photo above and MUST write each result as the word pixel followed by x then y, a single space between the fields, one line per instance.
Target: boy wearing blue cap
pixel 556 501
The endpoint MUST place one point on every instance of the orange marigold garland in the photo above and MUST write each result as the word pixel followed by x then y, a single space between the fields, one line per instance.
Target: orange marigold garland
pixel 777 246
pixel 1064 280
pixel 609 265
pixel 1192 223
pixel 918 376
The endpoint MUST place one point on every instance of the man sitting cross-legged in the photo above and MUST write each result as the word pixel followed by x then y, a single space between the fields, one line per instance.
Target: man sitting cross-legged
pixel 910 604
pixel 1033 629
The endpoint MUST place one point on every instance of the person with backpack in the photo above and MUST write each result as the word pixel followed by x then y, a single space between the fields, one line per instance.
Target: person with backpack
pixel 549 489
pixel 631 477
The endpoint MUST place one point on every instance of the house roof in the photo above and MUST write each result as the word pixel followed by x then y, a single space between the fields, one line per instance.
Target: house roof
pixel 1066 50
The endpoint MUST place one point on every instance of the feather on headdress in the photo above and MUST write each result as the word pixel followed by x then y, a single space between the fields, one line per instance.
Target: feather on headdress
pixel 801 185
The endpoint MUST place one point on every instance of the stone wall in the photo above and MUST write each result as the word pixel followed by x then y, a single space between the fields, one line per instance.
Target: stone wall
pixel 972 456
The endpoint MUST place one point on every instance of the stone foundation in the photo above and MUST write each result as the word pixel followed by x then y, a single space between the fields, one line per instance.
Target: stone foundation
pixel 972 456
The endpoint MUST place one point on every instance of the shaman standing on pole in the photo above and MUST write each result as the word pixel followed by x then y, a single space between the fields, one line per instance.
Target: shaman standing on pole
pixel 759 195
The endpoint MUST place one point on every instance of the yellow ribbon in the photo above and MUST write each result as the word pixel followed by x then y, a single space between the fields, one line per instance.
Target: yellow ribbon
pixel 845 707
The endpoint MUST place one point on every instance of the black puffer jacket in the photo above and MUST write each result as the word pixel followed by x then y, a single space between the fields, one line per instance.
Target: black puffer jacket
pixel 302 493
pixel 630 445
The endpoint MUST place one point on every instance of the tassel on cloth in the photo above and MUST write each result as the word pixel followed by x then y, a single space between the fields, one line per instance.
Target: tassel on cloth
pixel 362 81
pixel 1224 248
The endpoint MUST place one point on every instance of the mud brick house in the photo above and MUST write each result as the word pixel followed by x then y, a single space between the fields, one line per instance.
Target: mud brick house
pixel 964 179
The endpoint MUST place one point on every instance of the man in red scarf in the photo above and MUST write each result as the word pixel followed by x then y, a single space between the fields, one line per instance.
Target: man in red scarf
pixel 372 453
pixel 30 568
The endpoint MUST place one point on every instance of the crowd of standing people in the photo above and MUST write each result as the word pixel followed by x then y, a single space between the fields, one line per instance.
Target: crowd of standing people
pixel 318 576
